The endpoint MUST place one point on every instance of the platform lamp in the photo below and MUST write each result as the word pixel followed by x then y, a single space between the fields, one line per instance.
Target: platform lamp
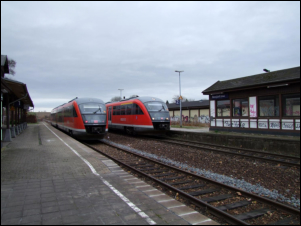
pixel 120 93
pixel 180 98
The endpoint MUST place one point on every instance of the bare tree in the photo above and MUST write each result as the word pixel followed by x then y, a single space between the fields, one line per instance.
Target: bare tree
pixel 115 99
pixel 11 64
pixel 176 97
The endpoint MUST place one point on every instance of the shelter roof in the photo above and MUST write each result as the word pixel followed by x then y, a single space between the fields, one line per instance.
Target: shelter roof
pixel 19 89
pixel 191 104
pixel 255 80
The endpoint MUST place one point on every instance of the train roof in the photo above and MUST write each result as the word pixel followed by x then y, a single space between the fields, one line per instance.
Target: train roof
pixel 87 100
pixel 142 99
pixel 83 100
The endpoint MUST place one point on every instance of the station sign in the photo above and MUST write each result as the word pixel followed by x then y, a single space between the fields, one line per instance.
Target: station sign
pixel 220 96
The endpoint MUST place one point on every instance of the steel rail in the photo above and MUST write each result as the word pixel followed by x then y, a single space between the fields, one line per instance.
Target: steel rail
pixel 239 154
pixel 235 148
pixel 198 202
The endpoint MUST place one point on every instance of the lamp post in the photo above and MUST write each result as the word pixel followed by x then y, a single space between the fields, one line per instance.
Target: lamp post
pixel 180 98
pixel 120 93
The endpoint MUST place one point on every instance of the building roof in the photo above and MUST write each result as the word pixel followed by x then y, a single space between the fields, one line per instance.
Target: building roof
pixel 191 105
pixel 19 89
pixel 4 63
pixel 254 80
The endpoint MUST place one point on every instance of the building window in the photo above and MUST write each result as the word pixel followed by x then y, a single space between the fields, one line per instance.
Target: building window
pixel 291 105
pixel 223 108
pixel 241 107
pixel 269 106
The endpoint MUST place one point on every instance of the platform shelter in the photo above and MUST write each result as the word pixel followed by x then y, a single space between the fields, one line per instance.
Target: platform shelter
pixel 267 103
pixel 15 102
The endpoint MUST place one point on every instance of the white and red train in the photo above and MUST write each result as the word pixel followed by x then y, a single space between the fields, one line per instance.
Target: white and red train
pixel 139 115
pixel 83 118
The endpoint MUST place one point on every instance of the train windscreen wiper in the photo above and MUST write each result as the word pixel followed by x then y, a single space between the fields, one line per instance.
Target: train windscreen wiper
pixel 162 108
pixel 97 110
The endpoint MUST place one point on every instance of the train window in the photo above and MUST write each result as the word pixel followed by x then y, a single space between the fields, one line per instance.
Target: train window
pixel 156 106
pixel 122 110
pixel 92 108
pixel 117 111
pixel 114 110
pixel 74 112
pixel 137 110
pixel 67 112
pixel 128 109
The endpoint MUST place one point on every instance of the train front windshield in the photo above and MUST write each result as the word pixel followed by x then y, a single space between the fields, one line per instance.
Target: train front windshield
pixel 93 113
pixel 157 110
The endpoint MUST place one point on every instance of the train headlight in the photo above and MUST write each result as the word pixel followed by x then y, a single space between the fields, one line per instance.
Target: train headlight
pixel 153 118
pixel 167 118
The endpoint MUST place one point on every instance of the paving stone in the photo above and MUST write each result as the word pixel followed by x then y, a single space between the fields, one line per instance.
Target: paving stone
pixel 11 215
pixel 49 216
pixel 54 186
pixel 31 212
pixel 31 219
pixel 11 221
pixel 112 221
pixel 50 209
pixel 53 222
pixel 13 209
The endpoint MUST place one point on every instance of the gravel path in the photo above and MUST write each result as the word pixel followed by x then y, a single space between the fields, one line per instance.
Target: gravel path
pixel 274 182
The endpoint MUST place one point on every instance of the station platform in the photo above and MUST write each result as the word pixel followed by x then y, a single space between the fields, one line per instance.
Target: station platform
pixel 48 177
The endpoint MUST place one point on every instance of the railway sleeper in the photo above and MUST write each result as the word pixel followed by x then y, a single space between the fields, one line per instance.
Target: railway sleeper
pixel 182 182
pixel 165 174
pixel 158 171
pixel 217 198
pixel 149 169
pixel 234 205
pixel 137 164
pixel 144 166
pixel 253 214
pixel 192 187
pixel 173 178
pixel 203 192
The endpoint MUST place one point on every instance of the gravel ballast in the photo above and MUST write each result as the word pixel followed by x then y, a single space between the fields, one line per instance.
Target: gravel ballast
pixel 264 179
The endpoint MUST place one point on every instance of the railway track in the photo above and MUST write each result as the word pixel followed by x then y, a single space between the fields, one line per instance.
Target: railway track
pixel 242 152
pixel 230 204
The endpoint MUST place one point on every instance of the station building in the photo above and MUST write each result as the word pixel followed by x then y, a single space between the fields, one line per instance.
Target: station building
pixel 266 103
pixel 193 111
pixel 15 102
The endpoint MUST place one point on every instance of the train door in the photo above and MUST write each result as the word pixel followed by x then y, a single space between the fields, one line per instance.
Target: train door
pixel 110 115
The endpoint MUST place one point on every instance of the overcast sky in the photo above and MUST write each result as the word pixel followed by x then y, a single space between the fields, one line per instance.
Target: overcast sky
pixel 65 50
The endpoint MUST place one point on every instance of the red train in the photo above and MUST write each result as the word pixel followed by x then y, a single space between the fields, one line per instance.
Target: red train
pixel 83 118
pixel 139 115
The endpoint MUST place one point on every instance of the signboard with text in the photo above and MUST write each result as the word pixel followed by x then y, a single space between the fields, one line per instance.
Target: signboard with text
pixel 220 96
